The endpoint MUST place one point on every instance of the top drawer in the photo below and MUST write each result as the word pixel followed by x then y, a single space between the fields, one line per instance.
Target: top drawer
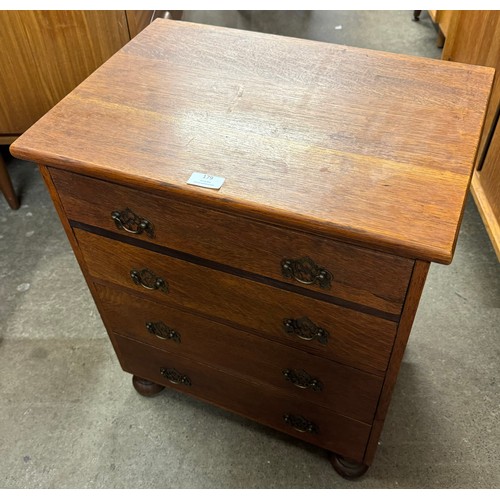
pixel 373 279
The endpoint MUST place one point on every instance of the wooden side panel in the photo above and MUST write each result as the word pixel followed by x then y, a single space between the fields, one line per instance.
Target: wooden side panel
pixel 71 237
pixel 476 40
pixel 46 54
pixel 409 311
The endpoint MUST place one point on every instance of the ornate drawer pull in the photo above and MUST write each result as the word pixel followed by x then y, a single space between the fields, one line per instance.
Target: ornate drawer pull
pixel 174 377
pixel 306 271
pixel 162 331
pixel 302 379
pixel 149 280
pixel 300 424
pixel 305 329
pixel 132 223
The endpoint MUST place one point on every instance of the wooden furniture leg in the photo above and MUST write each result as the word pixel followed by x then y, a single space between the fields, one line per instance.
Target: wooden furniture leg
pixel 145 387
pixel 346 468
pixel 6 187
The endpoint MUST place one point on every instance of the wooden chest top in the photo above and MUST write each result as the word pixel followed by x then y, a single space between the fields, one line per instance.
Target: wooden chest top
pixel 358 145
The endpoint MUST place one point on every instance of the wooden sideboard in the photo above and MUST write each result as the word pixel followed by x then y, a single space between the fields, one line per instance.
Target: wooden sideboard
pixel 288 294
pixel 46 54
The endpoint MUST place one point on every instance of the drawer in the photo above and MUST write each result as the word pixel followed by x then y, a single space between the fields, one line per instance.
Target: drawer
pixel 300 374
pixel 268 406
pixel 373 279
pixel 338 333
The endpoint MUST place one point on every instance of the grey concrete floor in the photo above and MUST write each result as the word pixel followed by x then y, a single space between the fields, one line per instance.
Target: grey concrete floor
pixel 69 417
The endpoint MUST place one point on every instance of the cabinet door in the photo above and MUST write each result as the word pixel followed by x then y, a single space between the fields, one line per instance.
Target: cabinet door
pixel 46 54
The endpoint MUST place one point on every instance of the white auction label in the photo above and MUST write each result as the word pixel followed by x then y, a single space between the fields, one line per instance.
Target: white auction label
pixel 205 180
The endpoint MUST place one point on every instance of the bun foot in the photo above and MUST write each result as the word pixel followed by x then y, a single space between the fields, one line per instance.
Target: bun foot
pixel 346 468
pixel 146 387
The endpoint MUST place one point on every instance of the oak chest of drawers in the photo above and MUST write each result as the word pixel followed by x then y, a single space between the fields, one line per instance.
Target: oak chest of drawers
pixel 288 294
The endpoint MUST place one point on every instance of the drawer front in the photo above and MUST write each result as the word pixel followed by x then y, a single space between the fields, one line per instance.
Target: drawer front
pixel 338 333
pixel 345 390
pixel 268 406
pixel 358 275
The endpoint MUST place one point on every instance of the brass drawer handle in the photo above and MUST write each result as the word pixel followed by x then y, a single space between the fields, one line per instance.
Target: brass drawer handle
pixel 302 380
pixel 305 329
pixel 174 377
pixel 162 331
pixel 148 280
pixel 306 271
pixel 300 424
pixel 132 223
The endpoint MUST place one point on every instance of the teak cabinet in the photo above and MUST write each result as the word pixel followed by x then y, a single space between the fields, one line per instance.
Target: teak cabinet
pixel 46 54
pixel 475 39
pixel 287 295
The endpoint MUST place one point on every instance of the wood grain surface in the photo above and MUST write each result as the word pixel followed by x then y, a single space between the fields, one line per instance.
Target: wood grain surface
pixel 476 40
pixel 263 404
pixel 355 338
pixel 374 279
pixel 46 54
pixel 369 147
pixel 246 355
